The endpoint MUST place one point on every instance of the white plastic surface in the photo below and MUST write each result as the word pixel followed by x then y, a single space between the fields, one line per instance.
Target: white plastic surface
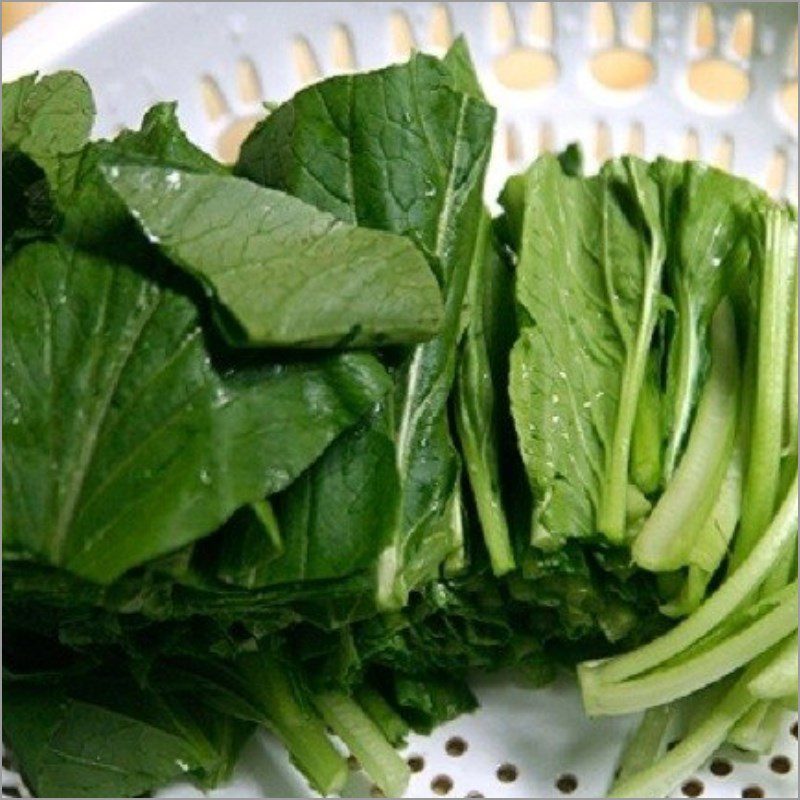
pixel 135 54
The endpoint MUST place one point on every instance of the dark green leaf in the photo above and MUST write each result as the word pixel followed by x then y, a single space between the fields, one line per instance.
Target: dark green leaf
pixel 47 117
pixel 122 442
pixel 399 150
pixel 98 743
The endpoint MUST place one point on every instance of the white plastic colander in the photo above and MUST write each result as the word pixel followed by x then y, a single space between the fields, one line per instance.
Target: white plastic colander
pixel 716 81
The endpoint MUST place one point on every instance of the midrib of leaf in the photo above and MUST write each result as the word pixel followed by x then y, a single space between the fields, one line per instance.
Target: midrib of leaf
pixel 90 440
pixel 411 415
pixel 611 513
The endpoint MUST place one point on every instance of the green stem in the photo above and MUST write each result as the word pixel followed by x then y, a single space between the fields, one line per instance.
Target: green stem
pixel 647 430
pixel 297 727
pixel 779 679
pixel 757 730
pixel 762 480
pixel 666 540
pixel 688 353
pixel 659 779
pixel 611 512
pixel 672 682
pixel 475 411
pixel 792 376
pixel 365 741
pixel 736 588
pixel 648 741
pixel 392 725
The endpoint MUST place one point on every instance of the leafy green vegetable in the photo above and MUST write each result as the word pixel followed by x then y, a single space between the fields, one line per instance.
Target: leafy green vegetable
pixel 122 441
pixel 478 414
pixel 670 533
pixel 247 543
pixel 272 260
pixel 203 535
pixel 590 263
pixel 762 477
pixel 400 150
pixel 705 212
pixel 45 118
pixel 110 739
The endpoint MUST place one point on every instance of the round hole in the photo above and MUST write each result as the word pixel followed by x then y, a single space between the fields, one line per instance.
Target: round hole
pixel 442 785
pixel 693 788
pixel 781 765
pixel 474 794
pixel 567 784
pixel 376 791
pixel 672 745
pixel 793 730
pixel 456 746
pixel 416 763
pixel 721 767
pixel 622 69
pixel 525 69
pixel 718 81
pixel 352 763
pixel 753 791
pixel 507 773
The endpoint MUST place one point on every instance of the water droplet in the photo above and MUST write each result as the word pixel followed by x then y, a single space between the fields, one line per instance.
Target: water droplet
pixel 221 397
pixel 205 477
pixel 173 179
pixel 555 398
pixel 114 172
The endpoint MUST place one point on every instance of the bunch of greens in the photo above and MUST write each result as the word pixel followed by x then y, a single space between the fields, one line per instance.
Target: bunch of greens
pixel 302 442
pixel 653 387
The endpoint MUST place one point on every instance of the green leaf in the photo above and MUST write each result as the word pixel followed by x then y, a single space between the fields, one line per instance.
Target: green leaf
pixel 28 209
pixel 289 274
pixel 338 516
pixel 588 282
pixel 704 212
pixel 458 61
pixel 94 744
pixel 432 699
pixel 47 117
pixel 400 150
pixel 94 216
pixel 478 410
pixel 247 543
pixel 122 441
pixel 669 534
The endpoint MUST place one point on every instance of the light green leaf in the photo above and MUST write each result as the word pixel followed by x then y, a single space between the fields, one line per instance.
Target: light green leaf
pixel 289 274
pixel 588 283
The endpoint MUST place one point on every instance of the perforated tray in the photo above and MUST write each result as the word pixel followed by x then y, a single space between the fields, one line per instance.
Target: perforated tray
pixel 716 81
